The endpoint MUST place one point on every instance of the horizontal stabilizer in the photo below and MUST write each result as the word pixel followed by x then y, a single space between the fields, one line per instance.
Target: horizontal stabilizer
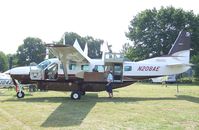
pixel 179 65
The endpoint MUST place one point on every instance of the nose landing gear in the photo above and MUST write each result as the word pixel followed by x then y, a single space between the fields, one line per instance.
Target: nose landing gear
pixel 20 94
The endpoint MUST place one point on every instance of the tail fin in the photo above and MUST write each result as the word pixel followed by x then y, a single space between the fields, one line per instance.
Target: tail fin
pixel 181 47
pixel 182 43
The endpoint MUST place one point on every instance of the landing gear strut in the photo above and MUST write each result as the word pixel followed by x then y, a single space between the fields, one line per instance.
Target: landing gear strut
pixel 20 93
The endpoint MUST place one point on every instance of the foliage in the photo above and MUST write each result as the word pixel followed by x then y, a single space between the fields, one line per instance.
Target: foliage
pixel 13 59
pixel 186 80
pixel 195 61
pixel 154 31
pixel 93 47
pixel 93 44
pixel 130 52
pixel 33 50
pixel 3 62
pixel 70 38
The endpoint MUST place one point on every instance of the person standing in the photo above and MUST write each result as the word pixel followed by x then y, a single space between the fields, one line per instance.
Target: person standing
pixel 109 84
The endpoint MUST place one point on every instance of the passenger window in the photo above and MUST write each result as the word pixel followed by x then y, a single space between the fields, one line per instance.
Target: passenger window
pixel 127 68
pixel 100 68
pixel 72 66
pixel 85 67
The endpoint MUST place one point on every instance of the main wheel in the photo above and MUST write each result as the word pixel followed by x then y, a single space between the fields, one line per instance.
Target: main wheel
pixel 75 95
pixel 20 94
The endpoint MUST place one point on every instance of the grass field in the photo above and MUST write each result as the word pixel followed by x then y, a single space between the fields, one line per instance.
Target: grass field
pixel 139 106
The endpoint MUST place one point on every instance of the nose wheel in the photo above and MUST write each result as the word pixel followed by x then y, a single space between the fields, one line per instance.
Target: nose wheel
pixel 20 94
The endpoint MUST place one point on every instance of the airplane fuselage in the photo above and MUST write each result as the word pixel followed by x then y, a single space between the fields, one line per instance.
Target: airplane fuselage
pixel 81 75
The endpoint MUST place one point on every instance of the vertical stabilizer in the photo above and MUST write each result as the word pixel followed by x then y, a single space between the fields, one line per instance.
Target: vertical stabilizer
pixel 182 43
pixel 181 47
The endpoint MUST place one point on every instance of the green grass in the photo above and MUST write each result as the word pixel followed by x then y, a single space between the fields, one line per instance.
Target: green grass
pixel 139 106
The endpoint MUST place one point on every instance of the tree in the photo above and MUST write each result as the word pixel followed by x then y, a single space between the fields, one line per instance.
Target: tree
pixel 33 50
pixel 12 60
pixel 154 31
pixel 93 44
pixel 195 61
pixel 70 38
pixel 93 47
pixel 129 52
pixel 3 62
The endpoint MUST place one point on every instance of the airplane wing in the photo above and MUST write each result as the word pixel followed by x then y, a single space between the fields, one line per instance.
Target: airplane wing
pixel 68 53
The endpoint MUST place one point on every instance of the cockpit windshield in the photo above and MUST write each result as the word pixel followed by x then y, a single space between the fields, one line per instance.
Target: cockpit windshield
pixel 43 64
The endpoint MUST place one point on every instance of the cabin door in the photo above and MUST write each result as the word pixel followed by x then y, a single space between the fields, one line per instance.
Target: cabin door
pixel 117 72
pixel 51 73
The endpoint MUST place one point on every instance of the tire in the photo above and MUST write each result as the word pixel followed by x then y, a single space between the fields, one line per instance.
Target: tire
pixel 75 95
pixel 20 94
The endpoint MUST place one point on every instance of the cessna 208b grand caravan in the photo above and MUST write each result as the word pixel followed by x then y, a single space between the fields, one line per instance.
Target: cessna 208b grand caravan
pixel 72 70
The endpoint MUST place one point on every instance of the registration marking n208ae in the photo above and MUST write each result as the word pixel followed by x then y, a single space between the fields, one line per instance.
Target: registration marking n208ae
pixel 148 68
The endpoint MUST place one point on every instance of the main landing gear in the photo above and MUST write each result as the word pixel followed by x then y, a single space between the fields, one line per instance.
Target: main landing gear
pixel 75 95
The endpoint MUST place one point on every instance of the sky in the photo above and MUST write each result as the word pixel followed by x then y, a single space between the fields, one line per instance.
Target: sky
pixel 49 19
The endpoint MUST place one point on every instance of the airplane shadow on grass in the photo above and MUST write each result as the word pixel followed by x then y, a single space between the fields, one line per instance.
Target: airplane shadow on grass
pixel 69 113
pixel 188 98
pixel 72 113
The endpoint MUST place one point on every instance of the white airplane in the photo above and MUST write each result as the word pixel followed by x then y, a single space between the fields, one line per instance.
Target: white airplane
pixel 74 71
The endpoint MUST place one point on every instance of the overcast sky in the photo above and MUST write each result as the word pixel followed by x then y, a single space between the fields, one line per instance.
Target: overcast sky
pixel 49 19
